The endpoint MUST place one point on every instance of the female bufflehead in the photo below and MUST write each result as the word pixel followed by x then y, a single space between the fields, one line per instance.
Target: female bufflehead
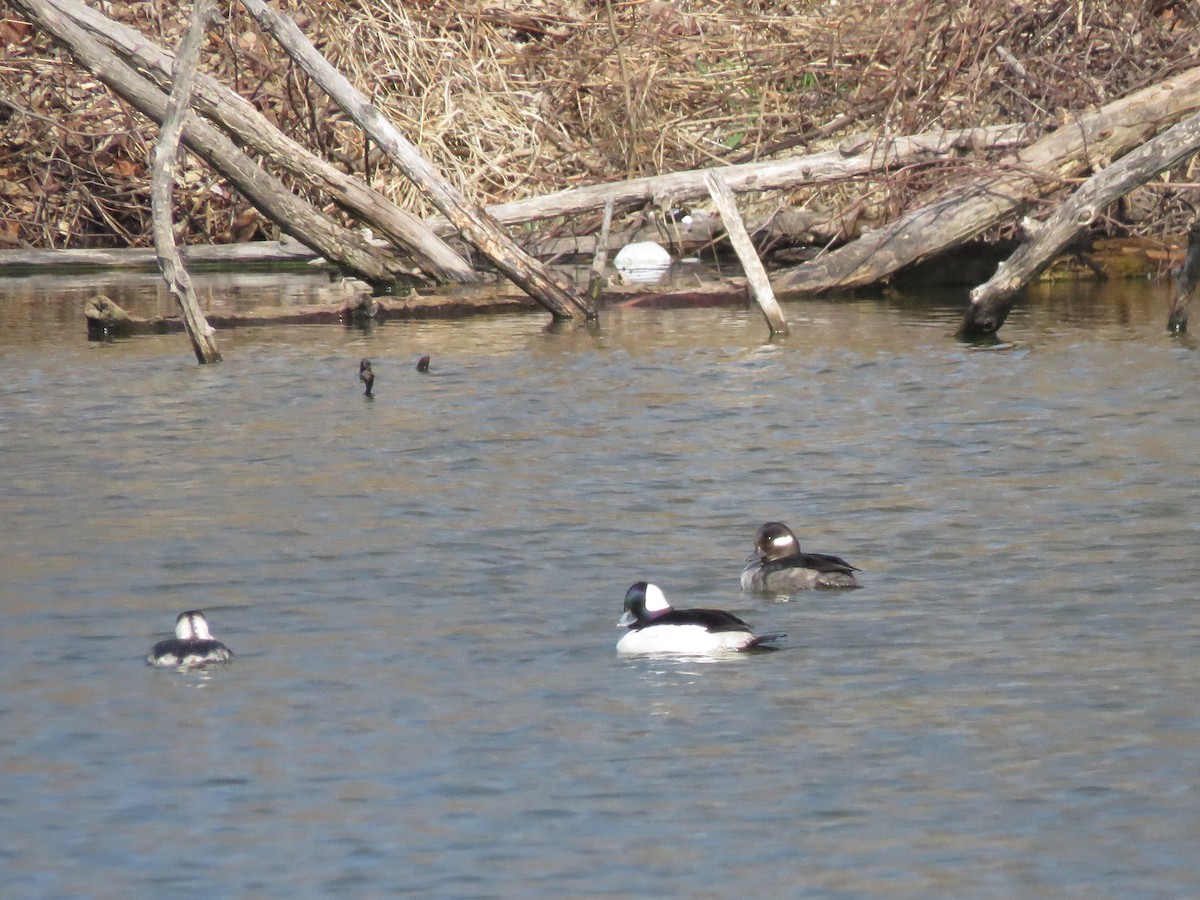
pixel 654 627
pixel 193 645
pixel 778 567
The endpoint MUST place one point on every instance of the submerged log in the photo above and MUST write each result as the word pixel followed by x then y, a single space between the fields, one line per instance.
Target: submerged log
pixel 476 226
pixel 991 302
pixel 1187 276
pixel 271 196
pixel 968 208
pixel 241 119
pixel 162 184
pixel 106 319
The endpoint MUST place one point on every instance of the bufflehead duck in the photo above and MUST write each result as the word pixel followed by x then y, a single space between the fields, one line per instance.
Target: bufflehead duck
pixel 654 627
pixel 366 376
pixel 642 261
pixel 778 567
pixel 193 645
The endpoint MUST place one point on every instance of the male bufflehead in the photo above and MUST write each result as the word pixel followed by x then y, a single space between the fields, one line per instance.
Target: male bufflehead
pixel 642 262
pixel 366 376
pixel 654 627
pixel 193 645
pixel 778 567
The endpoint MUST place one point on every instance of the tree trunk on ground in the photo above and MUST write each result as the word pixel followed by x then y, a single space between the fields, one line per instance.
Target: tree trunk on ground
pixel 256 252
pixel 756 275
pixel 1186 278
pixel 240 118
pixel 477 227
pixel 292 214
pixel 991 302
pixel 971 207
pixel 162 183
pixel 855 157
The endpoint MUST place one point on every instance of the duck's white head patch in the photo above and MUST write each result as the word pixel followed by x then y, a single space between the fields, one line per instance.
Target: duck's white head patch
pixel 656 600
pixel 192 626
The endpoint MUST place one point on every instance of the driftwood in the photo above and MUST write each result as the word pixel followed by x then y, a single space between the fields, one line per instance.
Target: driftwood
pixel 293 215
pixel 162 184
pixel 756 275
pixel 106 319
pixel 969 208
pixel 240 118
pixel 1186 278
pixel 254 253
pixel 477 227
pixel 991 302
pixel 854 157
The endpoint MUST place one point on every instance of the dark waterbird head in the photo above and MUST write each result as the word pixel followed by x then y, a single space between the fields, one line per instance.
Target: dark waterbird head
pixel 643 602
pixel 423 364
pixel 772 541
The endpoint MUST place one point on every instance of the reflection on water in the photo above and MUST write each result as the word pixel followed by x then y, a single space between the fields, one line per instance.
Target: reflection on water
pixel 421 590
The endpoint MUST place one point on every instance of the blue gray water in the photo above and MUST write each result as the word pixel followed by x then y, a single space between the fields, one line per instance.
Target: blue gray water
pixel 422 592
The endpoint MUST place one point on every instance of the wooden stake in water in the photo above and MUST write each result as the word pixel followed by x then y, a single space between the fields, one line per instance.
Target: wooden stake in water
pixel 162 180
pixel 756 275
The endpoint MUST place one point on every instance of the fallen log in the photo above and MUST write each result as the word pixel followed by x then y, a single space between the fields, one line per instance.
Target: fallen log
pixel 251 254
pixel 991 301
pixel 476 226
pixel 240 118
pixel 854 157
pixel 967 208
pixel 294 216
pixel 105 319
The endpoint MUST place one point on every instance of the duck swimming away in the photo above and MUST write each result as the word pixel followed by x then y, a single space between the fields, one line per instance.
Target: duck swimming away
pixel 656 627
pixel 777 566
pixel 192 647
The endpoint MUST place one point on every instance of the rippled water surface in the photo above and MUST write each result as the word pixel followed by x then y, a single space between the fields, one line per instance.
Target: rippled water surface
pixel 422 592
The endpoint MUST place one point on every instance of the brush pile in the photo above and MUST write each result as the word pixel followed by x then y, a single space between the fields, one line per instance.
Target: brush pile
pixel 514 99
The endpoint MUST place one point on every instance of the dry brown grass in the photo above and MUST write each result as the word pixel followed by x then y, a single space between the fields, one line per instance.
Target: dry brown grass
pixel 515 99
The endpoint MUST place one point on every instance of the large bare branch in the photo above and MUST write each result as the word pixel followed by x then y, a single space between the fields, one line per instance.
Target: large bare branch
pixel 855 157
pixel 238 116
pixel 162 183
pixel 293 215
pixel 476 226
pixel 756 275
pixel 991 302
pixel 968 208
